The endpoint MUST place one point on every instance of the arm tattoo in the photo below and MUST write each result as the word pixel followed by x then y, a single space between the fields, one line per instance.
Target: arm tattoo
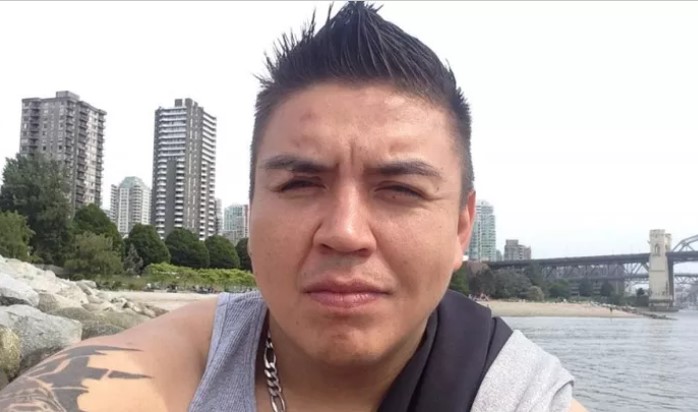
pixel 55 385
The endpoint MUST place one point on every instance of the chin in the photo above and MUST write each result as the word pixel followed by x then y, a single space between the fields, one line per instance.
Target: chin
pixel 349 350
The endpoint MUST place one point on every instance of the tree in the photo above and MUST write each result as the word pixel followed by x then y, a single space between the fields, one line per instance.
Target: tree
pixel 186 249
pixel 459 280
pixel 535 274
pixel 37 188
pixel 245 261
pixel 132 262
pixel 510 284
pixel 94 255
pixel 148 245
pixel 91 218
pixel 483 282
pixel 535 294
pixel 586 287
pixel 559 289
pixel 640 292
pixel 222 253
pixel 607 289
pixel 14 236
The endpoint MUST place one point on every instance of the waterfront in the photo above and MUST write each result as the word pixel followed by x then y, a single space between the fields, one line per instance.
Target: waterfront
pixel 624 364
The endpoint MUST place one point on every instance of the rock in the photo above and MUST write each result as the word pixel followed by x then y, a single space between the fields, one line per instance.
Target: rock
pixel 42 280
pixel 79 314
pixel 91 329
pixel 87 283
pixel 98 307
pixel 103 296
pixel 49 302
pixel 72 291
pixel 158 311
pixel 15 292
pixel 9 352
pixel 34 358
pixel 124 320
pixel 38 332
pixel 94 299
pixel 149 313
pixel 4 381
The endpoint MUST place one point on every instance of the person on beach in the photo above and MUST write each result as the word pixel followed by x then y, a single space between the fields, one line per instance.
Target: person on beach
pixel 361 205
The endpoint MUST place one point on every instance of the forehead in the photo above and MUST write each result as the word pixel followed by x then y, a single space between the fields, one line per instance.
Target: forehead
pixel 377 118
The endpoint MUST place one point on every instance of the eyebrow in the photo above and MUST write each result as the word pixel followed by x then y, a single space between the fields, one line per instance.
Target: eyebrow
pixel 297 164
pixel 294 164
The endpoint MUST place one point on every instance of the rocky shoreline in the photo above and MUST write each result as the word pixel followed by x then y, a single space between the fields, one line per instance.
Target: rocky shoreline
pixel 41 314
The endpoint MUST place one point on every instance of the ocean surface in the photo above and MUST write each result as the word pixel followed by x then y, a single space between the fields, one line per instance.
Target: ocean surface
pixel 624 365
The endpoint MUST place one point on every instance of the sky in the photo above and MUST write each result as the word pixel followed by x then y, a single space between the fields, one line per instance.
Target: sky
pixel 585 114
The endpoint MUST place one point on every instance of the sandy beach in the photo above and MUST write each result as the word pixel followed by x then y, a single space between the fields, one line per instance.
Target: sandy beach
pixel 170 301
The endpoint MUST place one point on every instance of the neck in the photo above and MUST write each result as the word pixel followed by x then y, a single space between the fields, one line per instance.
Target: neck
pixel 310 383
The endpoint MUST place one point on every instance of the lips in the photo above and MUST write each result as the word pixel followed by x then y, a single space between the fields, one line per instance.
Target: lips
pixel 350 294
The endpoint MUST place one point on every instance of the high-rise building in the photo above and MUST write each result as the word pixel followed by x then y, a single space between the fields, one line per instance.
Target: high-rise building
pixel 71 131
pixel 130 204
pixel 236 224
pixel 483 242
pixel 515 251
pixel 184 169
pixel 219 217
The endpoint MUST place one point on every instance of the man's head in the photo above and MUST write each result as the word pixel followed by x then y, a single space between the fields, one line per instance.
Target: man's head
pixel 361 187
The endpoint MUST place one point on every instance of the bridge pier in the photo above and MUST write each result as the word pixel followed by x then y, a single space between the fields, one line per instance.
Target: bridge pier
pixel 661 290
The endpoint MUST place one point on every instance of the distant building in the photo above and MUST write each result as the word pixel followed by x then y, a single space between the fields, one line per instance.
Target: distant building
pixel 71 131
pixel 184 169
pixel 130 204
pixel 236 223
pixel 483 242
pixel 219 217
pixel 515 251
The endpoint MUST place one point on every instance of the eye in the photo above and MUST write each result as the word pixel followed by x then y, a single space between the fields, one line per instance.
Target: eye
pixel 403 190
pixel 297 184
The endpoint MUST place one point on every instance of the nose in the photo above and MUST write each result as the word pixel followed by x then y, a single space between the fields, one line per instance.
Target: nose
pixel 345 226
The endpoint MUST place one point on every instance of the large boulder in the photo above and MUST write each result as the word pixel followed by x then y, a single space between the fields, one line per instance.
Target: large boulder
pixel 9 352
pixel 40 334
pixel 4 381
pixel 15 292
pixel 98 307
pixel 124 320
pixel 48 302
pixel 42 280
pixel 92 328
pixel 80 314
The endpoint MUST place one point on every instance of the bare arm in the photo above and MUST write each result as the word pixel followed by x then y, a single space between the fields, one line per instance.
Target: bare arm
pixel 154 366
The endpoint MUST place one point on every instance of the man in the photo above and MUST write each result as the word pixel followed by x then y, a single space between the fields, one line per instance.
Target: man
pixel 362 203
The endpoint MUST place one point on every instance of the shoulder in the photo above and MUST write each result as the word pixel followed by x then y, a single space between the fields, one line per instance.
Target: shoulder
pixel 525 377
pixel 154 366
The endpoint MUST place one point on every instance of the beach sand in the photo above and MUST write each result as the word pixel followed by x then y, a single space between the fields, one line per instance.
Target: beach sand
pixel 170 301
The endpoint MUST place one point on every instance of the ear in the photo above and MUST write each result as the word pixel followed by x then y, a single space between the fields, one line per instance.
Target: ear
pixel 466 219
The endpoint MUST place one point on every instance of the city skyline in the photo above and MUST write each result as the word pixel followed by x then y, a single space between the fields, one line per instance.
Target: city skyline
pixel 583 139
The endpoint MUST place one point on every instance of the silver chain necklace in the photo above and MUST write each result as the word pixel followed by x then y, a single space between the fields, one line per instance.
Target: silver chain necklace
pixel 278 404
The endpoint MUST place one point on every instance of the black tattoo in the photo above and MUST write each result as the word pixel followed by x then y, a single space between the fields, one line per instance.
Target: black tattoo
pixel 55 385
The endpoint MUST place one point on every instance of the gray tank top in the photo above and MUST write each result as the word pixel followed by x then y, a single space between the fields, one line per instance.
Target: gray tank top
pixel 228 383
pixel 523 377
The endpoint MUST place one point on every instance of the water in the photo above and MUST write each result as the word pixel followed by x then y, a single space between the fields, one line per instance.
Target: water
pixel 625 365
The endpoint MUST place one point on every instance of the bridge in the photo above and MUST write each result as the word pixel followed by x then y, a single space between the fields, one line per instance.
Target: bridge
pixel 657 266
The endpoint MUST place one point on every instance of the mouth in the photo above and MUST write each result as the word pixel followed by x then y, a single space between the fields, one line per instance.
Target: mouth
pixel 344 295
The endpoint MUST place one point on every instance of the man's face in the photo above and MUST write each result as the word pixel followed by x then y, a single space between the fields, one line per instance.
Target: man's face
pixel 355 224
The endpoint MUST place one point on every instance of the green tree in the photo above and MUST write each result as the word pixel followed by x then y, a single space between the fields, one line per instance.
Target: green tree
pixel 148 245
pixel 535 274
pixel 586 287
pixel 245 261
pixel 607 289
pixel 186 249
pixel 94 255
pixel 535 294
pixel 222 253
pixel 133 264
pixel 640 292
pixel 91 218
pixel 559 289
pixel 14 236
pixel 459 280
pixel 483 282
pixel 36 187
pixel 509 284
